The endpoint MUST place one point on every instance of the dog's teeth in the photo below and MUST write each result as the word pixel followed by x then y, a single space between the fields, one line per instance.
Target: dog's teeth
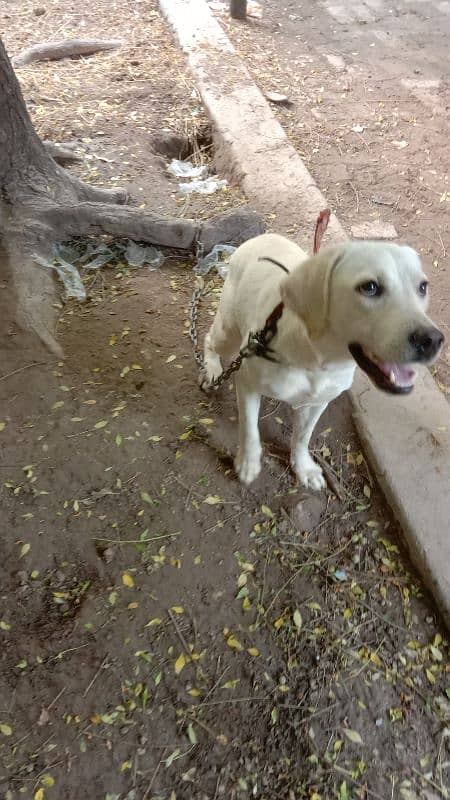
pixel 392 376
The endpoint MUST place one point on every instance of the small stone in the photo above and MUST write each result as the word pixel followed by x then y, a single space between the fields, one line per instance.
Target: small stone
pixel 277 97
pixel 39 11
pixel 374 230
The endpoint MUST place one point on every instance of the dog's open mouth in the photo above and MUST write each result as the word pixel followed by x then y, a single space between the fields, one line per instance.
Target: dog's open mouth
pixel 386 375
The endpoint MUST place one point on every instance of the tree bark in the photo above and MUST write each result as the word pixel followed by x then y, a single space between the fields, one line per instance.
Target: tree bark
pixel 238 9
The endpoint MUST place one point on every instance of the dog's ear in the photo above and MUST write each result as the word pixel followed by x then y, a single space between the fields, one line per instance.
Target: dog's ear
pixel 306 291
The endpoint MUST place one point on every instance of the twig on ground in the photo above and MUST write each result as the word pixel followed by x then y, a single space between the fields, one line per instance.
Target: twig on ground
pixel 179 634
pixel 21 369
pixel 90 685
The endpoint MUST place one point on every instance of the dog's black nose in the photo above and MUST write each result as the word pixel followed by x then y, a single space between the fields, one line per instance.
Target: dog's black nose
pixel 426 342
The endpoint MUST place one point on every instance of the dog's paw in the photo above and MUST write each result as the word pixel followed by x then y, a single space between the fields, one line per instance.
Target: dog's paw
pixel 206 379
pixel 248 466
pixel 309 474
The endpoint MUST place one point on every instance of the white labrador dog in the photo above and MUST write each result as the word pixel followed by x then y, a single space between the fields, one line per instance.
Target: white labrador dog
pixel 362 302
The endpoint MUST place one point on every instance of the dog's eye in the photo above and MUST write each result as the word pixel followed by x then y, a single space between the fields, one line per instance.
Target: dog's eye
pixel 423 288
pixel 370 289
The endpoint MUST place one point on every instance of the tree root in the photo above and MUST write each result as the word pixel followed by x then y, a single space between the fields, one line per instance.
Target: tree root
pixel 232 227
pixel 62 154
pixel 68 48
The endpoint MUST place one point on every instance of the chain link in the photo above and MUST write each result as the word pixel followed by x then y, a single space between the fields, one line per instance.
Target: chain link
pixel 198 355
pixel 257 343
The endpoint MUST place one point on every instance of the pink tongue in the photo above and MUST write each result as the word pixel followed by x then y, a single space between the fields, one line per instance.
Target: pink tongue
pixel 400 374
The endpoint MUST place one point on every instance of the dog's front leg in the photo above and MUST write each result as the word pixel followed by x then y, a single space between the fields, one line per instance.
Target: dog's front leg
pixel 248 459
pixel 308 472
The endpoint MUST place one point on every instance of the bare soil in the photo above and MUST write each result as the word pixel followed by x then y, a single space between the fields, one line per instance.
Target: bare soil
pixel 166 634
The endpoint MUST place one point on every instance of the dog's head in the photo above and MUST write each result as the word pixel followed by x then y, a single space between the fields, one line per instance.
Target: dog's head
pixel 372 298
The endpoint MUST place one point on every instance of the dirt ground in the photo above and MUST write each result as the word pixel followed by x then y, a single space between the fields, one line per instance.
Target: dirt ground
pixel 369 85
pixel 167 634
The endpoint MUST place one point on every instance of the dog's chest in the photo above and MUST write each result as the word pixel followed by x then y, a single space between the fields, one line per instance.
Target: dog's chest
pixel 297 386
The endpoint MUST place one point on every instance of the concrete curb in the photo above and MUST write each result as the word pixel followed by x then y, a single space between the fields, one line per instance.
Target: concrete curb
pixel 407 439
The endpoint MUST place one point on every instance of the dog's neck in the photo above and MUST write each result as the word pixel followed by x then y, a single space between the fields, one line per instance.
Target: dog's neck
pixel 294 345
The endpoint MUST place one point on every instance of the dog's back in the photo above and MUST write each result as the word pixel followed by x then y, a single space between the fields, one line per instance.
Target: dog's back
pixel 251 288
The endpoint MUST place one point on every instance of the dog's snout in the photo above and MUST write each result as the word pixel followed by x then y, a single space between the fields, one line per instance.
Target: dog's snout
pixel 426 342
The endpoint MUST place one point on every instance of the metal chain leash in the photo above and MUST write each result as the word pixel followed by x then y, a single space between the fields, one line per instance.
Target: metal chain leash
pixel 198 355
pixel 257 343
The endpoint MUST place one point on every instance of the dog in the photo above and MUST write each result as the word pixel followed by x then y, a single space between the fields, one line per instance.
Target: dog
pixel 359 303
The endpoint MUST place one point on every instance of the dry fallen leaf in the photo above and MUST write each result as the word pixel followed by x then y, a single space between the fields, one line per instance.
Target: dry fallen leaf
pixel 354 736
pixel 212 500
pixel 180 663
pixel 128 580
pixel 234 643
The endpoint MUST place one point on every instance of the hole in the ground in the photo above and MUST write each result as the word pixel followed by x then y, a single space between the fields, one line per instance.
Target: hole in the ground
pixel 183 146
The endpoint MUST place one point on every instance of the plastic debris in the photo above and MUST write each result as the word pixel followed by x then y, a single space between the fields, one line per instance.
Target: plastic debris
pixel 340 574
pixel 208 186
pixel 137 255
pixel 69 258
pixel 186 169
pixel 68 275
pixel 218 257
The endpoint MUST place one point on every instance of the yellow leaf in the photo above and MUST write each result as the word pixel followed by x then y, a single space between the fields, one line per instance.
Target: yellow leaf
pixel 136 366
pixel 180 663
pixel 375 658
pixel 231 684
pixel 2 426
pixel 253 651
pixel 212 500
pixel 430 676
pixel 132 605
pixel 39 795
pixel 278 623
pixel 102 424
pixel 126 765
pixel 25 549
pixel 242 580
pixel 170 359
pixel 354 736
pixel 155 438
pixel 347 613
pixel 5 729
pixel 267 511
pixel 206 421
pixel 234 643
pixel 246 604
pixel 127 580
pixel 186 435
pixel 178 609
pixel 155 621
pixel 59 404
pixel 48 781
pixel 194 692
pixel 4 626
pixel 297 617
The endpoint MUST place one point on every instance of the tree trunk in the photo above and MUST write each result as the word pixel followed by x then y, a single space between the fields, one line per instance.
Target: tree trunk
pixel 41 203
pixel 238 9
